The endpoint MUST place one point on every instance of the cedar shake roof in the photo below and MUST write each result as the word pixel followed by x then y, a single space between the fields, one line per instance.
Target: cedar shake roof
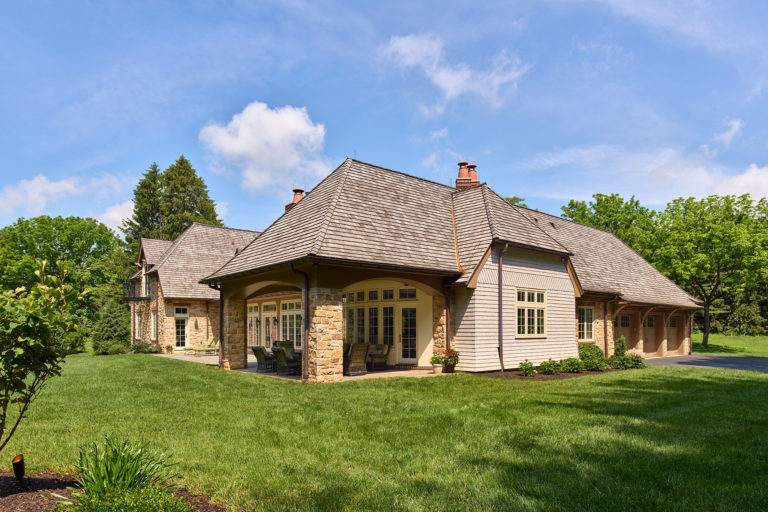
pixel 605 264
pixel 197 252
pixel 365 214
pixel 154 249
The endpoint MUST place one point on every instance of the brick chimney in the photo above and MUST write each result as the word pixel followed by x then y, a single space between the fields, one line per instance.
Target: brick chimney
pixel 298 194
pixel 467 176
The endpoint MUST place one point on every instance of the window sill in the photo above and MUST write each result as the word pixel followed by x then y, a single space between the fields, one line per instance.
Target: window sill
pixel 530 336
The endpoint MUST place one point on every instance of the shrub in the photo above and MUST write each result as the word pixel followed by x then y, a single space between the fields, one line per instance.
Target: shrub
pixel 618 362
pixel 592 357
pixel 119 466
pixel 550 367
pixel 116 349
pixel 141 499
pixel 141 347
pixel 635 361
pixel 153 349
pixel 620 346
pixel 112 327
pixel 527 369
pixel 571 365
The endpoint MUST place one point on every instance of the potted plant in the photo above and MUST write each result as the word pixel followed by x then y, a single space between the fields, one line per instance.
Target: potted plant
pixel 450 360
pixel 437 364
pixel 169 348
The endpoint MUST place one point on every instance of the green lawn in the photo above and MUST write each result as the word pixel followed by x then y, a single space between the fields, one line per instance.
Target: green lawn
pixel 720 344
pixel 655 439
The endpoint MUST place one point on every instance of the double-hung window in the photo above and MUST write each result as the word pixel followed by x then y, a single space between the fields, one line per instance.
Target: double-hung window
pixel 181 316
pixel 154 325
pixel 138 325
pixel 531 313
pixel 291 324
pixel 586 320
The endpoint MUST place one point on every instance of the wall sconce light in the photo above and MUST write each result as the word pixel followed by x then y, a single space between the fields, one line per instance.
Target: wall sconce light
pixel 196 324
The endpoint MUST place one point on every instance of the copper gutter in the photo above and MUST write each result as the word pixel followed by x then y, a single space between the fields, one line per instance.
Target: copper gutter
pixel 501 309
pixel 447 293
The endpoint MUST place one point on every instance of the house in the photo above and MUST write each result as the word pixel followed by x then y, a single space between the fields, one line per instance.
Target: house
pixel 168 304
pixel 378 256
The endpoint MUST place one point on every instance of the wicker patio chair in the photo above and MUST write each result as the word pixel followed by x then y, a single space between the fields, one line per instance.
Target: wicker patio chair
pixel 289 350
pixel 378 356
pixel 265 359
pixel 283 364
pixel 354 363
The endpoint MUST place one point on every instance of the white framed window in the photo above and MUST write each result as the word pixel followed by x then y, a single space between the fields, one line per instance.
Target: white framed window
pixel 586 323
pixel 360 325
pixel 406 294
pixel 145 279
pixel 139 329
pixel 373 325
pixel 388 325
pixel 360 296
pixel 181 331
pixel 184 312
pixel 350 325
pixel 388 294
pixel 373 295
pixel 625 320
pixel 154 325
pixel 350 297
pixel 650 321
pixel 531 313
pixel 291 322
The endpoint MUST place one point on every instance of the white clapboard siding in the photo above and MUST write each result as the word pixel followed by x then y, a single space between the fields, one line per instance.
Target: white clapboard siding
pixel 477 312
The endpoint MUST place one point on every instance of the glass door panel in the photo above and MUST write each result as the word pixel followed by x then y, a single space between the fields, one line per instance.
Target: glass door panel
pixel 408 333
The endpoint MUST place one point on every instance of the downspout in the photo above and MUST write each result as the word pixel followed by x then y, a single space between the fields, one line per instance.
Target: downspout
pixel 221 321
pixel 447 293
pixel 501 308
pixel 305 351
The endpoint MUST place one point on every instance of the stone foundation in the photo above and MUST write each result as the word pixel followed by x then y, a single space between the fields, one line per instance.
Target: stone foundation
pixel 326 335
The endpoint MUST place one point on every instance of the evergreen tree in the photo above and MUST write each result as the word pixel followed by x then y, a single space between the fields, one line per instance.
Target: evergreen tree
pixel 184 200
pixel 112 327
pixel 146 220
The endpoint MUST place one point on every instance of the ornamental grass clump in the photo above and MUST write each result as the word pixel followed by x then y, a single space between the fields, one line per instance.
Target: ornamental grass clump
pixel 116 465
pixel 550 367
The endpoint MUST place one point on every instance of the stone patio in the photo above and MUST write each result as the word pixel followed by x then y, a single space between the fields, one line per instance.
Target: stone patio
pixel 213 360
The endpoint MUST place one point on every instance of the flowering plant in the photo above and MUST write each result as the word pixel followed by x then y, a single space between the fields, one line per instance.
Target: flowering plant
pixel 169 348
pixel 450 358
pixel 436 360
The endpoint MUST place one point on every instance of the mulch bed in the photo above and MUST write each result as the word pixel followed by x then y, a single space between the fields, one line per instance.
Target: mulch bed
pixel 37 494
pixel 515 374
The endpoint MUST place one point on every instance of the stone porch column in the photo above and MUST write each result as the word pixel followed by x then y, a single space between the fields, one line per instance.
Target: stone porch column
pixel 326 335
pixel 233 355
pixel 438 324
pixel 665 334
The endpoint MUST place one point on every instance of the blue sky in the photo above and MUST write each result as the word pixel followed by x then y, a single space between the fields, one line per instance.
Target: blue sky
pixel 552 100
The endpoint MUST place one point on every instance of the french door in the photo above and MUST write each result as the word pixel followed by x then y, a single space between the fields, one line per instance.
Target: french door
pixel 407 338
pixel 269 324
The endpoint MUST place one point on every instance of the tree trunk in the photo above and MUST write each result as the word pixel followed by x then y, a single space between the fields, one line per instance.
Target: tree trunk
pixel 705 338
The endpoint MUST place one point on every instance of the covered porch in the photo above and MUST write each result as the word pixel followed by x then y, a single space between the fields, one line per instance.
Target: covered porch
pixel 324 316
pixel 654 330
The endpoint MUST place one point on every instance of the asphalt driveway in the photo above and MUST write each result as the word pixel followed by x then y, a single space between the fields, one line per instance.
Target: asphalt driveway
pixel 755 364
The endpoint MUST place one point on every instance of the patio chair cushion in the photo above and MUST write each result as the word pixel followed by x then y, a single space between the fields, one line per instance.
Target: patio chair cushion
pixel 283 363
pixel 354 363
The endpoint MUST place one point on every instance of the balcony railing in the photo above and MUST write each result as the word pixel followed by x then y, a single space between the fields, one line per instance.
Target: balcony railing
pixel 132 290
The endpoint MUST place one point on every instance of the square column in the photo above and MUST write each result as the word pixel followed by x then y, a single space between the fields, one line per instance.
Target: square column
pixel 325 345
pixel 233 346
pixel 438 325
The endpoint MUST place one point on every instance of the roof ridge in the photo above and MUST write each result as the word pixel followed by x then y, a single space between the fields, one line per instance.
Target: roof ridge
pixel 171 249
pixel 530 221
pixel 318 243
pixel 223 227
pixel 432 182
pixel 488 211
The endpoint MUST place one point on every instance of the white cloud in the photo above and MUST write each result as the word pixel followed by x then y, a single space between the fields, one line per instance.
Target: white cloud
pixel 114 216
pixel 753 181
pixel 426 53
pixel 436 135
pixel 32 196
pixel 269 146
pixel 733 130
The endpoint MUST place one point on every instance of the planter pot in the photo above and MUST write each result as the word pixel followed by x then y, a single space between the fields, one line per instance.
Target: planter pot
pixel 437 368
pixel 448 368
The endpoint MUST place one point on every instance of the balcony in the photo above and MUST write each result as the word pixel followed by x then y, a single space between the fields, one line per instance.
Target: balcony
pixel 132 290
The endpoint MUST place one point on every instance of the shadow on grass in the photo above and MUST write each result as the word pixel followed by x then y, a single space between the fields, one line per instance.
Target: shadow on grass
pixel 660 442
pixel 713 348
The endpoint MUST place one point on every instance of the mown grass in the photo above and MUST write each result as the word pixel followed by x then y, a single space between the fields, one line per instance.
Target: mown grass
pixel 655 439
pixel 720 344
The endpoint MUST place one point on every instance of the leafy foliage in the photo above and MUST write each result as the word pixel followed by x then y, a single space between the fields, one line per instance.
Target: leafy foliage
pixel 142 499
pixel 620 345
pixel 550 367
pixel 593 357
pixel 527 369
pixel 626 362
pixel 112 327
pixel 34 322
pixel 571 365
pixel 516 201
